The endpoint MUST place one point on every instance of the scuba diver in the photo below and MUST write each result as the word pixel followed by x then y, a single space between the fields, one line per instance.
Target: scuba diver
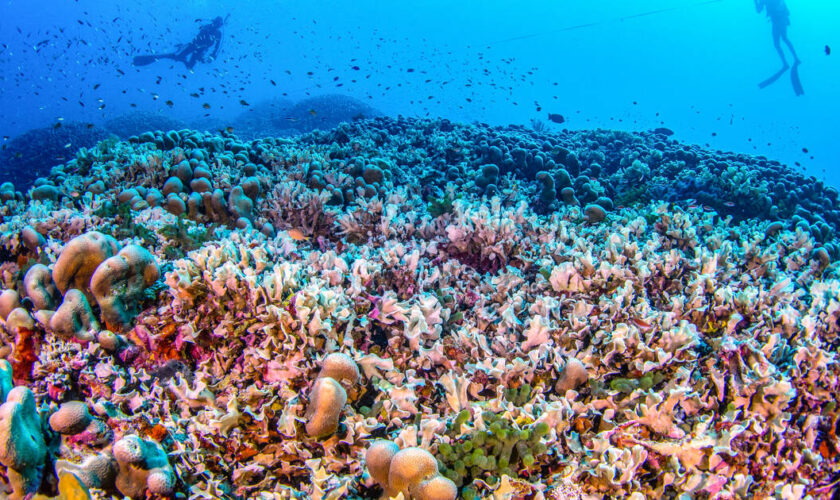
pixel 209 36
pixel 779 16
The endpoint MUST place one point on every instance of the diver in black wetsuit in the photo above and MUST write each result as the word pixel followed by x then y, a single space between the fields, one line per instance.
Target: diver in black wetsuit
pixel 209 36
pixel 779 16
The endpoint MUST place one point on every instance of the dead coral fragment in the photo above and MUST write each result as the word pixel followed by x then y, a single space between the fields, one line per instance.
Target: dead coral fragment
pixel 119 282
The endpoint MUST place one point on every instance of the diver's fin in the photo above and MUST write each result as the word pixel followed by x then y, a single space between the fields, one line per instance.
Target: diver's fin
pixel 146 60
pixel 794 79
pixel 772 78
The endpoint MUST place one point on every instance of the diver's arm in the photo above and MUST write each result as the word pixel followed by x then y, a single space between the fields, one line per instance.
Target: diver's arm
pixel 216 48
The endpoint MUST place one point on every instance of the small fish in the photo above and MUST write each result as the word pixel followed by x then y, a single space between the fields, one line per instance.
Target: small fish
pixel 273 82
pixel 556 118
pixel 243 102
pixel 57 125
pixel 205 106
pixel 827 50
pixel 642 324
pixel 170 103
pixel 96 86
pixel 297 235
pixel 729 204
pixel 313 112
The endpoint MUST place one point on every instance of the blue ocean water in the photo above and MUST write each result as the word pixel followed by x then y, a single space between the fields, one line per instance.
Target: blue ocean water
pixel 691 66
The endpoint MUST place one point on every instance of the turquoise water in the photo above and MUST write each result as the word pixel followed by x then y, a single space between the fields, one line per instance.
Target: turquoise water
pixel 691 66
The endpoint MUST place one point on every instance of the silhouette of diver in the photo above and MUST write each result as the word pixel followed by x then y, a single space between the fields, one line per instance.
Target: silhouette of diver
pixel 779 16
pixel 209 36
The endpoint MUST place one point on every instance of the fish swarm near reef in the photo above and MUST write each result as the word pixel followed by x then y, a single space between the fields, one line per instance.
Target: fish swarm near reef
pixel 419 307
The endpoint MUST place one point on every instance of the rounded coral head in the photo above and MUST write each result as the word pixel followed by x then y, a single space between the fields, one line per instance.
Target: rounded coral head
pixel 340 367
pixel 378 459
pixel 129 450
pixel 436 488
pixel 71 418
pixel 161 482
pixel 410 467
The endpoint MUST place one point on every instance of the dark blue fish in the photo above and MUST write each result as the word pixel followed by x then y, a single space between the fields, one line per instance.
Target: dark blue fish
pixel 556 118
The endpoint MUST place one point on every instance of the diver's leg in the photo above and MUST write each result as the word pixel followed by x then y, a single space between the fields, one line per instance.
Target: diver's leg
pixel 777 35
pixel 790 46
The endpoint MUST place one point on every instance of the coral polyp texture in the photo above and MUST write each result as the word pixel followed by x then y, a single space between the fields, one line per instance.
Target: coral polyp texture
pixel 419 308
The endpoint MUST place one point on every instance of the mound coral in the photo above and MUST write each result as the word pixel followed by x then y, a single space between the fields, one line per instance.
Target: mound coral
pixel 143 467
pixel 412 472
pixel 23 450
pixel 118 284
pixel 79 259
pixel 328 395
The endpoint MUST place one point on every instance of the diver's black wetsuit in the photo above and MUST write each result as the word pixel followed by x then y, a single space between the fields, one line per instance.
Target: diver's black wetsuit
pixel 209 36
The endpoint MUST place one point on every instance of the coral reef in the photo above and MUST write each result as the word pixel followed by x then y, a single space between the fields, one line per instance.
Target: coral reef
pixel 33 153
pixel 418 307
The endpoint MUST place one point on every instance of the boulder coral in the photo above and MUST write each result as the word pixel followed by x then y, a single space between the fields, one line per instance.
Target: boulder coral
pixel 9 301
pixel 328 395
pixel 39 287
pixel 97 471
pixel 79 259
pixel 119 282
pixel 143 467
pixel 23 449
pixel 71 418
pixel 74 318
pixel 412 472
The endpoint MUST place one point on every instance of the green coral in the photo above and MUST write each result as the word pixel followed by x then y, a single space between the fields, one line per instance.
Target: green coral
pixel 502 447
pixel 183 238
pixel 441 206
